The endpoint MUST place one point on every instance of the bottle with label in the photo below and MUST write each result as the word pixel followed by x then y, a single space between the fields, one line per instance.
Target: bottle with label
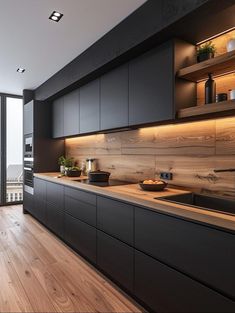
pixel 210 90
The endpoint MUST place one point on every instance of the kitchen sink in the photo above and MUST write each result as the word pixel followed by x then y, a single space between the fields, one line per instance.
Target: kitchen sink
pixel 201 201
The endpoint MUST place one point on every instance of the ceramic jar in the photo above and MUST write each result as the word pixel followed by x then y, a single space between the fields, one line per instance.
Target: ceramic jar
pixel 231 45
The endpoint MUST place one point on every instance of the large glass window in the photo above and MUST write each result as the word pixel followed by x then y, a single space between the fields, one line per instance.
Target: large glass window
pixel 14 146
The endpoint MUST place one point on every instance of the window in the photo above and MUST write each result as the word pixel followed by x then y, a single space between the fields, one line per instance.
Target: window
pixel 14 146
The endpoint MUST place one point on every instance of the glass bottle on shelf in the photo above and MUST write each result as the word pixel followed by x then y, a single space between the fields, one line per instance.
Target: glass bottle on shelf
pixel 210 90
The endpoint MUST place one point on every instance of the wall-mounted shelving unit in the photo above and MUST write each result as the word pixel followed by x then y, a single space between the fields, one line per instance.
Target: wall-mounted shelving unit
pixel 207 109
pixel 222 67
pixel 219 65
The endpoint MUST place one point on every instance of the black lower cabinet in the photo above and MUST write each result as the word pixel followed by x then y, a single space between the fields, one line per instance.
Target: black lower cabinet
pixel 116 259
pixel 39 209
pixel 81 236
pixel 55 219
pixel 28 204
pixel 163 289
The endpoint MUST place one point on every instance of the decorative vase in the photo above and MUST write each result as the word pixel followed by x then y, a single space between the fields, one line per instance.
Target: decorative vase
pixel 205 56
pixel 231 45
pixel 62 169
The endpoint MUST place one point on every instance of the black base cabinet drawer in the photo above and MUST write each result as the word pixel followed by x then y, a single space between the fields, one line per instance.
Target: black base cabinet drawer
pixel 203 253
pixel 116 259
pixel 86 212
pixel 166 290
pixel 39 210
pixel 55 194
pixel 55 219
pixel 40 188
pixel 28 202
pixel 116 219
pixel 81 236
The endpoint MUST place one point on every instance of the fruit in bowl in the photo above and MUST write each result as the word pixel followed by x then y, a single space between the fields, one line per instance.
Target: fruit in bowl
pixel 150 181
pixel 153 185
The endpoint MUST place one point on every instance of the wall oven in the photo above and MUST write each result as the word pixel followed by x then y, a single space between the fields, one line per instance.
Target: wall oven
pixel 28 163
pixel 28 146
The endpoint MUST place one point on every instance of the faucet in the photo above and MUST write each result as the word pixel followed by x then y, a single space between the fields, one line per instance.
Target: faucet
pixel 224 170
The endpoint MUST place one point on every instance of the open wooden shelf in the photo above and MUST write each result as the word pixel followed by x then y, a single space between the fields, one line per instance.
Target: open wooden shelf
pixel 219 65
pixel 207 109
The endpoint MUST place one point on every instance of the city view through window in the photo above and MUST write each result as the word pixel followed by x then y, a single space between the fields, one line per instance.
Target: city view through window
pixel 14 146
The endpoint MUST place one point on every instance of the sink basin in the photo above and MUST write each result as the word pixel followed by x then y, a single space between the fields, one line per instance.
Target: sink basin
pixel 201 201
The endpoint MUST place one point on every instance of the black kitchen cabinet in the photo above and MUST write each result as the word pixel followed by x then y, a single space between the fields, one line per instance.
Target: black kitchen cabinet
pixel 114 98
pixel 55 219
pixel 28 202
pixel 116 218
pixel 81 210
pixel 151 86
pixel 90 107
pixel 40 188
pixel 81 236
pixel 39 209
pixel 163 289
pixel 116 259
pixel 201 252
pixel 71 113
pixel 55 194
pixel 58 118
pixel 28 118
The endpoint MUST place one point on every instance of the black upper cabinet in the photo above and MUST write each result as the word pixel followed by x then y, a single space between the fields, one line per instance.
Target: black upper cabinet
pixel 151 86
pixel 71 113
pixel 90 107
pixel 28 118
pixel 114 98
pixel 58 118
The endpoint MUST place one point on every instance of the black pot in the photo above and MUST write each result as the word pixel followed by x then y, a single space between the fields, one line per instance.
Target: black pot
pixel 73 173
pixel 98 176
pixel 205 56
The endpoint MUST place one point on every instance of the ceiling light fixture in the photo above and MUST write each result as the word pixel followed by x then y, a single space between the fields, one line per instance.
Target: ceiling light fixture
pixel 21 70
pixel 55 16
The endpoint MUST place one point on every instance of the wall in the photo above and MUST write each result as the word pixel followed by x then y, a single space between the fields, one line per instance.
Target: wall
pixel 190 151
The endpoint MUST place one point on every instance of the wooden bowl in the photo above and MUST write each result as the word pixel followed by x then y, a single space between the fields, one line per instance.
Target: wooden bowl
pixel 153 187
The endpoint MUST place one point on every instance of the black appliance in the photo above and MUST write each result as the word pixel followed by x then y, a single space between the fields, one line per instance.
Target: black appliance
pixel 28 163
pixel 28 146
pixel 111 182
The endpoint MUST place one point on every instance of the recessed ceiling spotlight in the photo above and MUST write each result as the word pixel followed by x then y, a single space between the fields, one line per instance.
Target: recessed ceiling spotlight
pixel 21 70
pixel 55 16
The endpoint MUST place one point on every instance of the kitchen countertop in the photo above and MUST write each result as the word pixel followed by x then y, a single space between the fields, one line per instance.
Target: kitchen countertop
pixel 133 194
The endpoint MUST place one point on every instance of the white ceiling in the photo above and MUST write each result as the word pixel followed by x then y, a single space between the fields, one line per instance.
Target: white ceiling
pixel 30 40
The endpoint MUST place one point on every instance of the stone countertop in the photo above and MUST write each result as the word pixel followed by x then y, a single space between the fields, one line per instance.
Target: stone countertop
pixel 133 194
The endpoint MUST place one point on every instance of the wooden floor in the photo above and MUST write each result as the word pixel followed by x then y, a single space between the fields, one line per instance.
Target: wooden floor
pixel 38 273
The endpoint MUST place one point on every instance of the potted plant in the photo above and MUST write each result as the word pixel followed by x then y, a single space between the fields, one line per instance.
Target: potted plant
pixel 73 171
pixel 61 162
pixel 206 51
pixel 65 163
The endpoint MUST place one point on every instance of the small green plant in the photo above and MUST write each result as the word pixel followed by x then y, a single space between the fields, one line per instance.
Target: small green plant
pixel 66 162
pixel 207 47
pixel 61 160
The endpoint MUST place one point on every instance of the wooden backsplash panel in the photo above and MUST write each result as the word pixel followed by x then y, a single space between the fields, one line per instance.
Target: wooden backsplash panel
pixel 190 151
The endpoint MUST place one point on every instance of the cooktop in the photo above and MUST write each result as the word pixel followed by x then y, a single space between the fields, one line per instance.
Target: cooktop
pixel 111 182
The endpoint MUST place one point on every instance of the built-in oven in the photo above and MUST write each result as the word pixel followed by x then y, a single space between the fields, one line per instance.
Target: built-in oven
pixel 28 146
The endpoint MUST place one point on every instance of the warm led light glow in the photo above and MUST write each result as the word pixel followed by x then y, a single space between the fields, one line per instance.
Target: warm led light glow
pixel 215 36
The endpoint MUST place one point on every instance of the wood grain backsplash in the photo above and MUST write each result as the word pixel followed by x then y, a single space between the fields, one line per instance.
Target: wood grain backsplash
pixel 190 151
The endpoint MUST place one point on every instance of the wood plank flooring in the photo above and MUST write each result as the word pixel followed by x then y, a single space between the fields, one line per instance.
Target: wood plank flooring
pixel 39 273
